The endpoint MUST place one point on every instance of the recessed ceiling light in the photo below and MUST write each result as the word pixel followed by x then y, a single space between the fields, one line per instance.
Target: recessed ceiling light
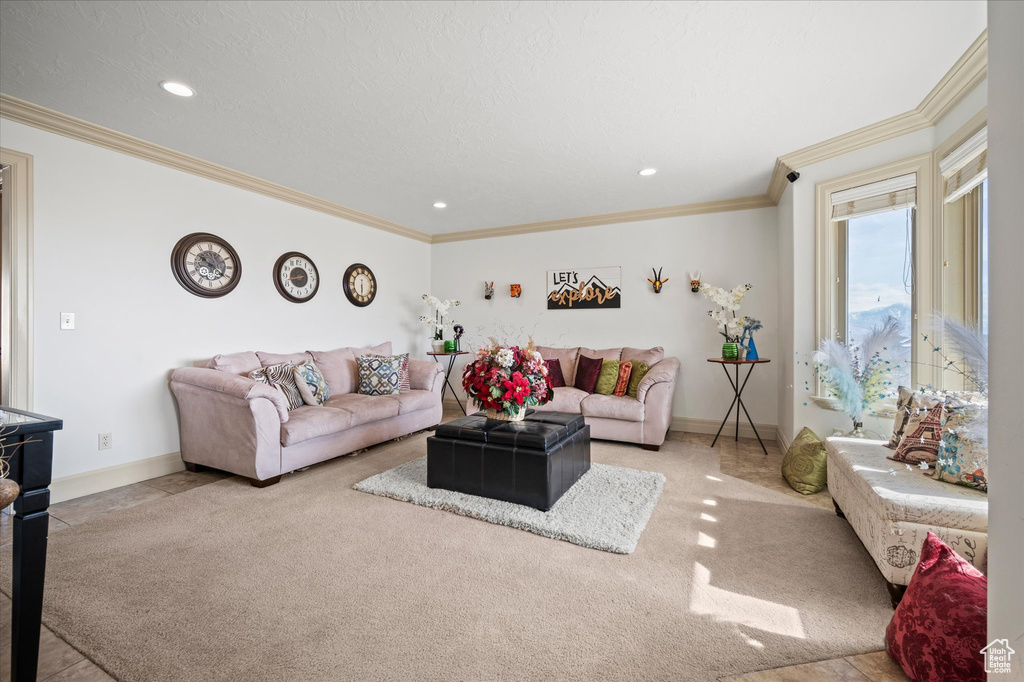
pixel 648 171
pixel 440 204
pixel 176 88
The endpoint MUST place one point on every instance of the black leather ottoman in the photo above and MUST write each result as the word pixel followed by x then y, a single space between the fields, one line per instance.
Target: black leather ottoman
pixel 532 462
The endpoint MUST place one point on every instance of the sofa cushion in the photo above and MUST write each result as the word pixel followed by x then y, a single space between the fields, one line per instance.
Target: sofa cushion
pixel 566 358
pixel 649 355
pixel 235 363
pixel 339 366
pixel 603 354
pixel 607 377
pixel 366 408
pixel 939 629
pixel 379 375
pixel 312 384
pixel 413 400
pixel 895 493
pixel 565 399
pixel 309 422
pixel 587 372
pixel 268 359
pixel 613 407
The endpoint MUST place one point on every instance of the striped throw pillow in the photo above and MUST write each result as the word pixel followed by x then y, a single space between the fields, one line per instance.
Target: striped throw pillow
pixel 623 381
pixel 281 377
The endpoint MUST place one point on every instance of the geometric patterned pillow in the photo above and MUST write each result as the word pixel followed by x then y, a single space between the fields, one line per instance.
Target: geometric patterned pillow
pixel 920 442
pixel 281 377
pixel 312 384
pixel 962 459
pixel 403 369
pixel 378 375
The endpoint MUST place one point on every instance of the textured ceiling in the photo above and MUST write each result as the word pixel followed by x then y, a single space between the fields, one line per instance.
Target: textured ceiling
pixel 512 112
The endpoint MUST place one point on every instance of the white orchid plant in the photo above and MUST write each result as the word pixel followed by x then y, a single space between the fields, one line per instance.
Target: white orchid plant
pixel 438 320
pixel 728 300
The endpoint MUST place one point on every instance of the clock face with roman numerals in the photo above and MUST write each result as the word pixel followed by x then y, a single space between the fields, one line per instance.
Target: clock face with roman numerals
pixel 295 277
pixel 205 265
pixel 360 285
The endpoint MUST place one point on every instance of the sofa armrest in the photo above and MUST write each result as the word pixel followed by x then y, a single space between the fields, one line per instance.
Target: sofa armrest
pixel 426 375
pixel 660 373
pixel 232 385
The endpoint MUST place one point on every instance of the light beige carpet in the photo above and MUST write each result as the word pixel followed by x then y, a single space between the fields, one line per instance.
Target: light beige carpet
pixel 312 580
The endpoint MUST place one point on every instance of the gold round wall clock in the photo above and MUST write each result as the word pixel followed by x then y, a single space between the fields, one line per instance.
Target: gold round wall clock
pixel 205 265
pixel 295 277
pixel 360 284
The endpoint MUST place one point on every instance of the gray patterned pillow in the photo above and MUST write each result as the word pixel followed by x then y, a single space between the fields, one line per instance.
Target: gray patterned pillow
pixel 403 369
pixel 281 377
pixel 378 375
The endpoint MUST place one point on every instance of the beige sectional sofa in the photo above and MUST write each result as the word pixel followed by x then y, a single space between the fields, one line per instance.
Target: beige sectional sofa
pixel 892 508
pixel 644 420
pixel 230 422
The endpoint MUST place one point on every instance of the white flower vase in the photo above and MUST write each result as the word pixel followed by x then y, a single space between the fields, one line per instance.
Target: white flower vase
pixel 437 345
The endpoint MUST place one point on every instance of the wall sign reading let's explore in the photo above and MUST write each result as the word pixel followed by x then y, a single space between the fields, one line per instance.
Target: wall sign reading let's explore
pixel 587 288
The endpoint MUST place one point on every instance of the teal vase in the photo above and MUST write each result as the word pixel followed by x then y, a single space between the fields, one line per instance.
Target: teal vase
pixel 751 349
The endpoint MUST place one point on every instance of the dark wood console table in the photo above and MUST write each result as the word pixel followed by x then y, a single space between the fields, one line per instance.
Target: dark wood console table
pixel 27 442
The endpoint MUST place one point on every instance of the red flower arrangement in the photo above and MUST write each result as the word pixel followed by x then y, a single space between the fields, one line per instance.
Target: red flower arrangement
pixel 506 380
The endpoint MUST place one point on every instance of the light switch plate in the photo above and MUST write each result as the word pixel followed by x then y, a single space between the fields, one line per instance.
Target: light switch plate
pixel 67 320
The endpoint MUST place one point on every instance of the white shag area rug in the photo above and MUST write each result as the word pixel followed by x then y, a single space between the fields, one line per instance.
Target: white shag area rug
pixel 607 509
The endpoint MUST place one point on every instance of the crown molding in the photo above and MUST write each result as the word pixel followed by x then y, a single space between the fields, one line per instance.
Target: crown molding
pixel 969 70
pixel 740 204
pixel 20 111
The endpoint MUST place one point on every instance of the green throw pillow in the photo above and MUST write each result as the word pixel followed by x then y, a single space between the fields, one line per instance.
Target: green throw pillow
pixel 607 378
pixel 804 464
pixel 636 375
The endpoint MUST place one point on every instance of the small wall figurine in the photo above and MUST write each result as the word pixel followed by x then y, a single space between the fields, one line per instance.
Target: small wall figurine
pixel 488 290
pixel 515 290
pixel 695 282
pixel 658 282
pixel 459 330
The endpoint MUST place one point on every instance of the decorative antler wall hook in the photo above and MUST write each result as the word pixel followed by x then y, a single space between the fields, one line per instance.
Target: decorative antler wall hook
pixel 488 290
pixel 658 282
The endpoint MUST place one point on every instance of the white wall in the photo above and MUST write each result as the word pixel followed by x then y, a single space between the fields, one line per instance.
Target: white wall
pixel 105 224
pixel 796 237
pixel 730 248
pixel 1006 281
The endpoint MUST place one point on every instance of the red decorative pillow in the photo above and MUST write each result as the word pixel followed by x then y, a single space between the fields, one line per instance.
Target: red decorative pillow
pixel 555 377
pixel 586 373
pixel 623 381
pixel 940 626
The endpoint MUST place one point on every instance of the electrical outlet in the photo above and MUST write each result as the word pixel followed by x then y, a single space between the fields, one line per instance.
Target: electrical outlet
pixel 67 320
pixel 106 441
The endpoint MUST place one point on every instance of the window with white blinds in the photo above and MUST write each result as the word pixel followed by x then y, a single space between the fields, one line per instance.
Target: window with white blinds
pixel 894 194
pixel 965 167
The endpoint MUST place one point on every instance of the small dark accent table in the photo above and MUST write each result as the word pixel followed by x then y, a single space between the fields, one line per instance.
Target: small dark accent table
pixel 737 388
pixel 448 373
pixel 531 462
pixel 27 440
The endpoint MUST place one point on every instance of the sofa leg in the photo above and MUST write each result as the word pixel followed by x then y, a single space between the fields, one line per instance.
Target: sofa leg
pixel 256 483
pixel 193 467
pixel 895 592
pixel 652 448
pixel 839 512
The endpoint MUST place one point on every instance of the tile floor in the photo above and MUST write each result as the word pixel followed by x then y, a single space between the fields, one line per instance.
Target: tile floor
pixel 59 662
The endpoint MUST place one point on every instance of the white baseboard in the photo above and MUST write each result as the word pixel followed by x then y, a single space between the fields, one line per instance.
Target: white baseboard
pixel 693 425
pixel 784 443
pixel 98 480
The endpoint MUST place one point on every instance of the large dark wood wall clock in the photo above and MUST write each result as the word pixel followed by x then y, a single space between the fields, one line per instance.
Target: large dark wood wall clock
pixel 205 265
pixel 295 277
pixel 360 285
